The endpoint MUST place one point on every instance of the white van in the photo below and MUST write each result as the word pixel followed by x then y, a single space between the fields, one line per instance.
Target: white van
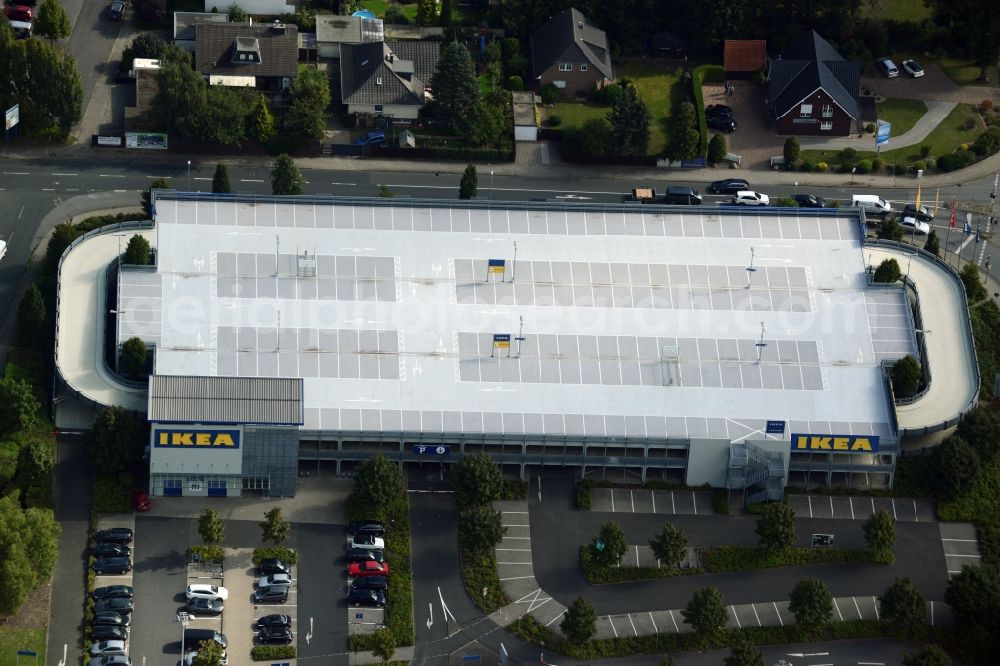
pixel 871 203
pixel 22 29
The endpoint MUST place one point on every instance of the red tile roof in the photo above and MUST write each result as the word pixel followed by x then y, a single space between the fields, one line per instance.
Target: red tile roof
pixel 745 55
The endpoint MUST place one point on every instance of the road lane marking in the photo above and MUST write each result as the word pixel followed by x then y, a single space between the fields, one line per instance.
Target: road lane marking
pixel 430 619
pixel 65 174
pixel 555 618
pixel 16 173
pixel 250 180
pixel 444 606
pixel 111 175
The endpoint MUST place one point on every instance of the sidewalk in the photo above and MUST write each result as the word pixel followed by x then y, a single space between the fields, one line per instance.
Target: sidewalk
pixel 936 112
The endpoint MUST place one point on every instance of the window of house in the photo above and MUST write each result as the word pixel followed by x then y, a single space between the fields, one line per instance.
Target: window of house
pixel 827 111
pixel 378 108
pixel 559 84
pixel 171 486
pixel 565 67
pixel 583 67
pixel 806 110
pixel 826 125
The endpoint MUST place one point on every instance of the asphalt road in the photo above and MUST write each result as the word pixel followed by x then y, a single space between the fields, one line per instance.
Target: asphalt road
pixel 90 43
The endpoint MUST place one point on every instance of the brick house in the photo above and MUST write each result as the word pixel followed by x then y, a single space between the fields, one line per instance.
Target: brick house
pixel 259 55
pixel 570 53
pixel 813 91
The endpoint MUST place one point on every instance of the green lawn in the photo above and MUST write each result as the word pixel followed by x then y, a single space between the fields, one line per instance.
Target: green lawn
pixel 945 138
pixel 902 113
pixel 13 639
pixel 900 10
pixel 460 14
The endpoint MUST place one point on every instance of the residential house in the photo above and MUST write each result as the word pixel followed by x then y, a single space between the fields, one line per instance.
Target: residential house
pixel 742 58
pixel 570 53
pixel 184 22
pixel 388 79
pixel 813 91
pixel 333 30
pixel 258 55
pixel 257 7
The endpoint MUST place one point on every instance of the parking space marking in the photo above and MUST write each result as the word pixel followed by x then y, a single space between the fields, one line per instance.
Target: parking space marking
pixel 782 622
pixel 652 495
pixel 613 628
pixel 858 608
pixel 809 497
pixel 555 618
pixel 519 550
pixel 850 501
pixel 633 624
pixel 837 606
pixel 612 503
pixel 655 628
pixel 674 620
pixel 832 514
pixel 733 608
pixel 520 512
pixel 916 518
pixel 631 495
pixel 755 615
pixel 978 557
pixel 875 601
pixel 694 502
pixel 673 503
pixel 893 501
pixel 963 540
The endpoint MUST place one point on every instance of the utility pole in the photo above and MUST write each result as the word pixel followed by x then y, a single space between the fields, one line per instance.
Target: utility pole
pixel 993 200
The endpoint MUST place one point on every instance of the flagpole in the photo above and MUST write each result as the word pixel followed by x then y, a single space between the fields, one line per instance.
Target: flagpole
pixel 951 224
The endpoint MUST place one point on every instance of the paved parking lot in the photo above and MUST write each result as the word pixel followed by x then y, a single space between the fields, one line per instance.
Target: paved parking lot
pixel 642 556
pixel 107 521
pixel 961 547
pixel 641 500
pixel 860 508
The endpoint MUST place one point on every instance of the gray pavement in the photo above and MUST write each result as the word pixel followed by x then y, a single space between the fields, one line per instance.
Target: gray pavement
pixel 860 508
pixel 936 112
pixel 642 500
pixel 240 613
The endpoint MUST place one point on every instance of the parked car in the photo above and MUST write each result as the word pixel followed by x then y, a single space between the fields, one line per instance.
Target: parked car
pixel 371 583
pixel 274 579
pixel 274 620
pixel 115 535
pixel 923 213
pixel 199 606
pixel 272 593
pixel 107 647
pixel 728 186
pixel 373 526
pixel 19 12
pixel 115 604
pixel 913 225
pixel 189 658
pixel 112 565
pixel 360 597
pixel 21 29
pixel 116 10
pixel 140 501
pixel 110 618
pixel 720 110
pixel 721 122
pixel 913 68
pixel 275 636
pixel 104 632
pixel 273 566
pixel 887 67
pixel 202 591
pixel 809 201
pixel 112 591
pixel 750 198
pixel 110 549
pixel 111 660
pixel 368 568
pixel 365 554
pixel 372 139
pixel 367 541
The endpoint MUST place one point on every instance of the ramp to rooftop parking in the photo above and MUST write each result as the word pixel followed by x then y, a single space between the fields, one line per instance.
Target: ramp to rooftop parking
pixel 947 335
pixel 81 308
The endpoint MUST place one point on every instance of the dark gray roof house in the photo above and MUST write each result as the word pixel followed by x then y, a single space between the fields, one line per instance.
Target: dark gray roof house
pixel 232 53
pixel 184 26
pixel 387 78
pixel 570 53
pixel 811 66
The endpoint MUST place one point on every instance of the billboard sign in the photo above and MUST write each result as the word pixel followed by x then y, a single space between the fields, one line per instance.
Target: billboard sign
pixel 431 450
pixel 835 443
pixel 146 140
pixel 882 133
pixel 109 141
pixel 775 427
pixel 12 117
pixel 226 439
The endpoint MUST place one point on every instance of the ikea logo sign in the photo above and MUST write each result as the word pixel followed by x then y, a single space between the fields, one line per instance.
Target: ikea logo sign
pixel 197 439
pixel 836 443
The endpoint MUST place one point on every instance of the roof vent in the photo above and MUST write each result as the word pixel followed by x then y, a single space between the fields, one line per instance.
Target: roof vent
pixel 378 80
pixel 579 24
pixel 278 28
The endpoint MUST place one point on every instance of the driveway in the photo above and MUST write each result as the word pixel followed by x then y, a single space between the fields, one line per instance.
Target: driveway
pixel 934 85
pixel 90 45
pixel 755 139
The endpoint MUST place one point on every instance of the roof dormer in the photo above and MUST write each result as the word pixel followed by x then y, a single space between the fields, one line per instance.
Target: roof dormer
pixel 246 51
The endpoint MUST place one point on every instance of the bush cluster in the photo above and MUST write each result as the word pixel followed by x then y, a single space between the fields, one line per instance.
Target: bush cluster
pixel 213 554
pixel 270 652
pixel 597 573
pixel 275 552
pixel 720 559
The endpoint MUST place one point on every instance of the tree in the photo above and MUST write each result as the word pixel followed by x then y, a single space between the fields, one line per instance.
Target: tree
pixel 958 467
pixel 383 644
pixel 610 545
pixel 148 45
pixel 887 272
pixel 476 479
pixel 147 196
pixel 209 654
pixel 906 376
pixel 426 12
pixel 133 358
pixel 928 655
pixel 744 653
pixel 974 595
pixel 670 545
pixel 933 245
pixel 889 229
pixel 444 18
pixel 45 81
pixel 52 21
pixel 19 409
pixel 151 11
pixel 717 149
pixel 274 529
pixel 467 188
pixel 811 602
pixel 378 483
pixel 285 177
pixel 34 463
pixel 306 118
pixel 487 123
pixel 706 612
pixel 394 15
pixel 580 621
pixel 776 526
pixel 237 14
pixel 262 125
pixel 181 101
pixel 974 289
pixel 31 317
pixel 116 440
pixel 138 252
pixel 480 528
pixel 40 534
pixel 978 25
pixel 683 138
pixel 903 604
pixel 220 181
pixel 880 533
pixel 211 528
pixel 629 120
pixel 791 151
pixel 456 92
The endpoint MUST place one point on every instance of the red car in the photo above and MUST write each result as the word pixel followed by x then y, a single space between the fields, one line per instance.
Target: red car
pixel 18 13
pixel 140 501
pixel 367 568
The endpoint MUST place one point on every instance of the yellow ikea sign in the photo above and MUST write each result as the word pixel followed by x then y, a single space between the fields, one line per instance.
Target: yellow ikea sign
pixel 222 439
pixel 836 443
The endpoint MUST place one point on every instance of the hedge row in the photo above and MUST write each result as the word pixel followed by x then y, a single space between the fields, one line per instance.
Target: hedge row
pixel 698 77
pixel 275 553
pixel 212 554
pixel 112 493
pixel 720 559
pixel 479 571
pixel 597 574
pixel 269 652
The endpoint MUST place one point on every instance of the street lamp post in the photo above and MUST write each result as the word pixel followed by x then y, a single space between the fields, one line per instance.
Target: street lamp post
pixel 189 175
pixel 491 184
pixel 184 619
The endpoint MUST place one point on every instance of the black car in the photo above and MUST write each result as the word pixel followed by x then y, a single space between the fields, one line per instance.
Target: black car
pixel 108 632
pixel 111 549
pixel 115 604
pixel 728 186
pixel 923 214
pixel 719 110
pixel 720 123
pixel 115 535
pixel 112 565
pixel 371 583
pixel 363 554
pixel 271 593
pixel 206 606
pixel 275 635
pixel 359 597
pixel 111 591
pixel 809 201
pixel 366 527
pixel 274 620
pixel 272 566
pixel 112 619
pixel 116 10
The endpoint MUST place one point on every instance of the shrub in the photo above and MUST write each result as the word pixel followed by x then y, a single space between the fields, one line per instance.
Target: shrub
pixel 550 94
pixel 847 155
pixel 554 121
pixel 870 128
pixel 608 94
pixel 717 149
pixel 515 83
pixel 822 167
pixel 791 150
pixel 479 572
pixel 864 166
pixel 112 493
pixel 920 165
pixel 277 553
pixel 925 150
pixel 785 202
pixel 584 495
pixel 877 165
pixel 270 652
pixel 806 166
pixel 954 161
pixel 988 142
pixel 212 554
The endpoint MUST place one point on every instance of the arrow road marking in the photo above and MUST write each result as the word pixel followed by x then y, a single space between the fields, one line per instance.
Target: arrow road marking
pixel 444 607
pixel 310 634
pixel 430 609
pixel 62 662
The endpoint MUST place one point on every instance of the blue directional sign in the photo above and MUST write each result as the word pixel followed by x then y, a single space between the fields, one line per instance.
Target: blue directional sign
pixel 775 427
pixel 882 133
pixel 431 449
